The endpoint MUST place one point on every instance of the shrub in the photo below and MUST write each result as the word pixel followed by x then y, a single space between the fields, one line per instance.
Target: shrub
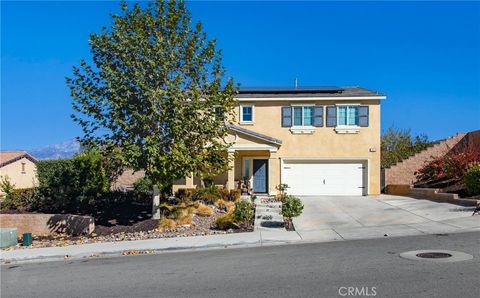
pixel 433 170
pixel 225 222
pixel 225 193
pixel 453 165
pixel 26 199
pixel 6 186
pixel 221 204
pixel 209 194
pixel 225 205
pixel 185 220
pixel 232 195
pixel 184 195
pixel 472 179
pixel 174 212
pixel 143 186
pixel 282 189
pixel 203 210
pixel 459 161
pixel 166 225
pixel 291 207
pixel 73 184
pixel 243 212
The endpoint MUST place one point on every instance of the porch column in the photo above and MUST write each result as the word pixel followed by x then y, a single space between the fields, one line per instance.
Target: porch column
pixel 189 181
pixel 231 170
pixel 273 173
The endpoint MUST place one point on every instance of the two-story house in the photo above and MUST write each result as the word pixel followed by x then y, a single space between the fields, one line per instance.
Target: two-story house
pixel 318 140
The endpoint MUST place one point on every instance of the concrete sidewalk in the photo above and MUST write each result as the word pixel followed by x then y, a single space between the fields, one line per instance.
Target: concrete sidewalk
pixel 151 245
pixel 324 219
pixel 257 238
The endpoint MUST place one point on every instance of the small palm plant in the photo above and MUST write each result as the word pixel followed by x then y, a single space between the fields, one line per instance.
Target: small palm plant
pixel 282 189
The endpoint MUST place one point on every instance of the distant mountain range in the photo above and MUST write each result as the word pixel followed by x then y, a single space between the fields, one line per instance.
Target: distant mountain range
pixel 57 151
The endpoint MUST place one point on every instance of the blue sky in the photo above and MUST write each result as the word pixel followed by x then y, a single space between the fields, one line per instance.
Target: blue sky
pixel 424 56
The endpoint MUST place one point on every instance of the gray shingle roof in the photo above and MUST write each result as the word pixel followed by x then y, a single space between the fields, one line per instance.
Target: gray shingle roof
pixel 254 134
pixel 322 91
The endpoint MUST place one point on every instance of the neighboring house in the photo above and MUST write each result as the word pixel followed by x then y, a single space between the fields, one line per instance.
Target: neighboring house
pixel 319 141
pixel 20 168
pixel 126 180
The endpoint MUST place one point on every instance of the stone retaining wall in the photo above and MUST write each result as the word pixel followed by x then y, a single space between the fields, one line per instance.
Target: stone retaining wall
pixel 433 194
pixel 47 224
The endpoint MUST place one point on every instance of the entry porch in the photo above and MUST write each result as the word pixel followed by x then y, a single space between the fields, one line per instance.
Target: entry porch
pixel 254 166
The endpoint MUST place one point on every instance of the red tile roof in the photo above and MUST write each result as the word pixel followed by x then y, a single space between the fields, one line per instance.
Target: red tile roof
pixel 7 157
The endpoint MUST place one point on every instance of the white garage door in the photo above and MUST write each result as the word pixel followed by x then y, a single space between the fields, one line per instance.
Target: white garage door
pixel 324 177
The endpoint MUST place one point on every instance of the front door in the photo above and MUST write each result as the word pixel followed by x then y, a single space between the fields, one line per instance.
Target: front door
pixel 260 175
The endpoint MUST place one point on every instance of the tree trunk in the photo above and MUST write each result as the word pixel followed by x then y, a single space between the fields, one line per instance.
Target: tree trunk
pixel 156 203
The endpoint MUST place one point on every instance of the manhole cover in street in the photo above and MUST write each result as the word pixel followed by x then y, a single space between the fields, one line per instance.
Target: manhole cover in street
pixel 433 255
pixel 436 255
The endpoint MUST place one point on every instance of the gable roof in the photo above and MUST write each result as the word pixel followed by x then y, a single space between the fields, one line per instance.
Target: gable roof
pixel 254 134
pixel 305 92
pixel 8 157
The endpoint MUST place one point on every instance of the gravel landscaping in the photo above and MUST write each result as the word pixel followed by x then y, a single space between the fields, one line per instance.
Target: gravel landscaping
pixel 145 229
pixel 287 222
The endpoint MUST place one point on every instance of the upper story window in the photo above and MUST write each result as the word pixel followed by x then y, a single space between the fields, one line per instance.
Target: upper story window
pixel 303 116
pixel 347 116
pixel 23 168
pixel 246 114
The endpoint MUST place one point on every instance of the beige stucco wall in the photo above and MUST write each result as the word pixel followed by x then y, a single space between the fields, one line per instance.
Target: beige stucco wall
pixel 324 143
pixel 26 179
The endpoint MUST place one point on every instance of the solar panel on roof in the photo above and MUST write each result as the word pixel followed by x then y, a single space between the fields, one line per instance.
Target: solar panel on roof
pixel 320 89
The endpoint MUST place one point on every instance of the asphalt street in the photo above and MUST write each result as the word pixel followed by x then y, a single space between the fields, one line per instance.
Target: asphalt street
pixel 372 268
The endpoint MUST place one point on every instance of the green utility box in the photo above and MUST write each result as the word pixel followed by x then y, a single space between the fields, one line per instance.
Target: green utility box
pixel 8 237
pixel 27 239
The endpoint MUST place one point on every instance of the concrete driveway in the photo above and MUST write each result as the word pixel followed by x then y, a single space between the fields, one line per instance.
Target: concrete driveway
pixel 341 218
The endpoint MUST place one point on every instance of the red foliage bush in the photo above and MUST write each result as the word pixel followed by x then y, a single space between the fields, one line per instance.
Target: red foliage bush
pixel 453 165
pixel 431 171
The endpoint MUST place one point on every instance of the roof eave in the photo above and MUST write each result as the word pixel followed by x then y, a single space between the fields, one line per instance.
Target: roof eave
pixel 26 155
pixel 255 134
pixel 309 98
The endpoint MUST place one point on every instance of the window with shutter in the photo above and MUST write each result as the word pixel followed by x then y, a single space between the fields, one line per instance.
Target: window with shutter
pixel 331 116
pixel 350 118
pixel 363 120
pixel 318 116
pixel 347 116
pixel 303 115
pixel 286 116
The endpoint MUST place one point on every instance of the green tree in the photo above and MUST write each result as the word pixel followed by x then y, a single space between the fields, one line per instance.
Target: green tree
pixel 397 145
pixel 154 92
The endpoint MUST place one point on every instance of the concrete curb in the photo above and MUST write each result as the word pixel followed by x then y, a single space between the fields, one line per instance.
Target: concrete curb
pixel 105 249
pixel 238 240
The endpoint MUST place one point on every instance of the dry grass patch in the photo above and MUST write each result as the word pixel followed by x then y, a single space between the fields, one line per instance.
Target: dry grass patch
pixel 203 210
pixel 225 205
pixel 185 220
pixel 226 222
pixel 166 224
